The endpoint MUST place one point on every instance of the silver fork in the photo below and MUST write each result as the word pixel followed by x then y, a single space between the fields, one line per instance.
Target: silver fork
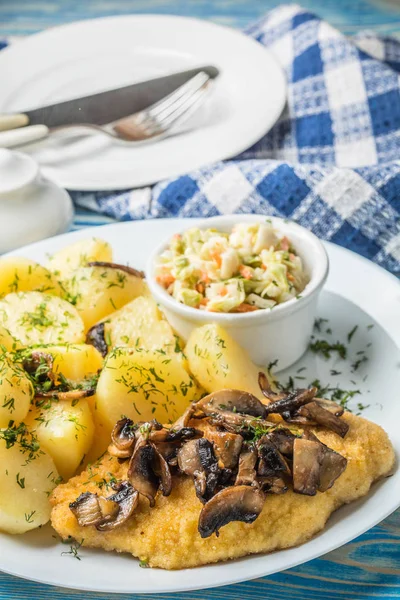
pixel 149 125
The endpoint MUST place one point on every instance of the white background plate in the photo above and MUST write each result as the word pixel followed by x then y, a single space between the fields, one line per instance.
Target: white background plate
pixel 357 293
pixel 89 56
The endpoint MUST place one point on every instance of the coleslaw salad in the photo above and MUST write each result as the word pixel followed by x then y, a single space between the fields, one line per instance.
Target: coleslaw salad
pixel 250 268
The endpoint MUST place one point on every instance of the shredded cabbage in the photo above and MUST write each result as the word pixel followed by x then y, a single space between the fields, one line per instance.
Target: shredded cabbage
pixel 252 268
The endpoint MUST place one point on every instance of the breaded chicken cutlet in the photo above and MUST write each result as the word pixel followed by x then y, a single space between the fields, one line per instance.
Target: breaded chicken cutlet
pixel 318 470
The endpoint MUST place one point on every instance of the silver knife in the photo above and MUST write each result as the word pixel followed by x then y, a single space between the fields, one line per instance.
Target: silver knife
pixel 104 107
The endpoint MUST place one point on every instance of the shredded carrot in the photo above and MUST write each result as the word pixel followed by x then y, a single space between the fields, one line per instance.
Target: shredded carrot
pixel 204 277
pixel 290 277
pixel 217 258
pixel 245 307
pixel 165 279
pixel 223 292
pixel 204 301
pixel 245 272
pixel 177 236
pixel 285 244
pixel 200 288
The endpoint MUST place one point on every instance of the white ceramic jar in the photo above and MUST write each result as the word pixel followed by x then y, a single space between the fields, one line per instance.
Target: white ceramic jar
pixel 282 333
pixel 31 207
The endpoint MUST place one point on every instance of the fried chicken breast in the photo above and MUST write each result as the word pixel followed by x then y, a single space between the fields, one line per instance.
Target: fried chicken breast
pixel 167 535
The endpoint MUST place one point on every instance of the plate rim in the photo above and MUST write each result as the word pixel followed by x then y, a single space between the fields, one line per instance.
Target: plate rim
pixel 257 571
pixel 236 148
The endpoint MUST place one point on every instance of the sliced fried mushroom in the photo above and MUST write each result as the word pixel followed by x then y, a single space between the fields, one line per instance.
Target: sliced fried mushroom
pixel 272 485
pixel 296 419
pixel 185 433
pixel 155 434
pixel 123 439
pixel 197 459
pixel 247 461
pixel 316 413
pixel 330 405
pixel 161 469
pixel 307 460
pixel 283 439
pixel 266 389
pixel 291 402
pixel 232 401
pixel 332 466
pixel 271 462
pixel 40 364
pixel 169 451
pixel 184 419
pixel 210 467
pixel 237 503
pixel 148 469
pixel 127 499
pixel 91 509
pixel 140 471
pixel 188 458
pixel 96 337
pixel 233 422
pixel 69 395
pixel 227 447
pixel 230 418
pixel 111 265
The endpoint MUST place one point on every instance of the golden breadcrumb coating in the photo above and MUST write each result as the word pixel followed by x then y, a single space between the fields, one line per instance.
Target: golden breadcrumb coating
pixel 167 537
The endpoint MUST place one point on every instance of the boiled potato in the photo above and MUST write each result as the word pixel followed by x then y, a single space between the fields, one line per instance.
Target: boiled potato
pixel 7 342
pixel 65 430
pixel 98 291
pixel 26 481
pixel 36 318
pixel 64 262
pixel 24 275
pixel 73 361
pixel 101 438
pixel 218 362
pixel 16 392
pixel 143 385
pixel 140 324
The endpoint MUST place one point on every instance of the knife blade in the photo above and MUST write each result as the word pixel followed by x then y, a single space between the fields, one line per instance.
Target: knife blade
pixel 104 107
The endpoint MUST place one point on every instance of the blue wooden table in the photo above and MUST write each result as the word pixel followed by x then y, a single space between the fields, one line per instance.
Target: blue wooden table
pixel 369 567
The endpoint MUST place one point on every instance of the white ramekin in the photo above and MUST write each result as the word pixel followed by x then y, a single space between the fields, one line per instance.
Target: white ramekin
pixel 281 333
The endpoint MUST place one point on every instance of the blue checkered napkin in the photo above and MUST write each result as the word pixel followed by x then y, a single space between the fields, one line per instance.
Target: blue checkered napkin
pixel 332 162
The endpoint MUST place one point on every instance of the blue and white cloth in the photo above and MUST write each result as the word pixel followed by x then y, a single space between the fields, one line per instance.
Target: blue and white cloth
pixel 332 161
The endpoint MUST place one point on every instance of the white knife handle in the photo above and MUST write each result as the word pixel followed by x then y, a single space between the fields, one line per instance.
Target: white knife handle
pixel 13 121
pixel 18 137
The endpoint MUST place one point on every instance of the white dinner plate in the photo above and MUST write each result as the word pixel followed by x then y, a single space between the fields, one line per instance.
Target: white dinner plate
pixel 357 293
pixel 90 56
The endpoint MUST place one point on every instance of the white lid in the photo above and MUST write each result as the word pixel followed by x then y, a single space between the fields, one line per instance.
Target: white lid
pixel 16 170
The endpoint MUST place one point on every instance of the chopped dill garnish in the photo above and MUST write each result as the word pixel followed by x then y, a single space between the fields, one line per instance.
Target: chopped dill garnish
pixel 318 323
pixel 74 547
pixel 357 364
pixel 19 434
pixel 362 407
pixel 351 333
pixel 272 364
pixel 326 348
pixel 28 516
pixel 336 394
pixel 20 481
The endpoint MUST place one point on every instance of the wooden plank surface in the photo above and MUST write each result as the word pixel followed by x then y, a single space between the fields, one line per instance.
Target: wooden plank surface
pixel 367 568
